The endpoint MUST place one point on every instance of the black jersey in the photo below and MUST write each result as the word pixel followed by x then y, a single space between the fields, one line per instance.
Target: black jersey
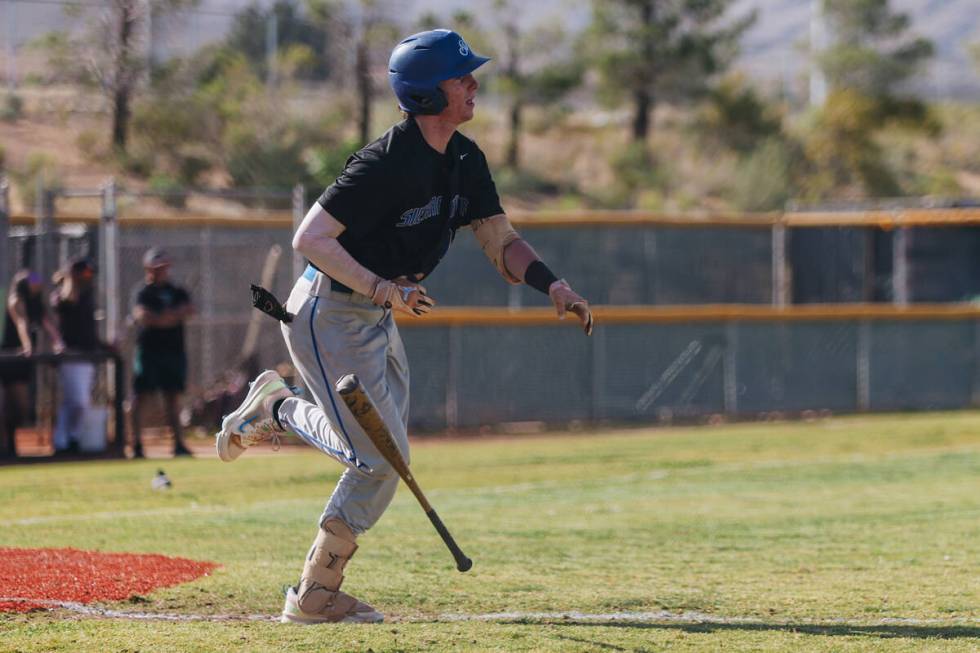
pixel 402 201
pixel 33 307
pixel 76 321
pixel 156 298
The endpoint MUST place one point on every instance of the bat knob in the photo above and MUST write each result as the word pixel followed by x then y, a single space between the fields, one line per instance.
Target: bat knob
pixel 348 384
pixel 464 565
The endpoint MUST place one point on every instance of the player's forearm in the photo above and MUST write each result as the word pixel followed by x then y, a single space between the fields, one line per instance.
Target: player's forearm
pixel 336 262
pixel 518 257
pixel 316 239
pixel 513 256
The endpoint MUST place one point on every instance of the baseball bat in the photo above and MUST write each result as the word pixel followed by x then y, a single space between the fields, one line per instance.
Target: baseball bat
pixel 364 411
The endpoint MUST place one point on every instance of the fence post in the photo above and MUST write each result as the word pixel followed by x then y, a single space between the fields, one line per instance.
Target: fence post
pixel 455 352
pixel 207 306
pixel 780 285
pixel 598 343
pixel 900 267
pixel 729 371
pixel 4 245
pixel 299 212
pixel 119 382
pixel 863 367
pixel 976 363
pixel 45 257
pixel 109 263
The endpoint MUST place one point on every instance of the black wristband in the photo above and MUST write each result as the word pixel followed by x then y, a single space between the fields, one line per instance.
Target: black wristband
pixel 539 277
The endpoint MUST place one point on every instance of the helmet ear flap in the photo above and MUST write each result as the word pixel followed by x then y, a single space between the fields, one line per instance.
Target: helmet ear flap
pixel 429 102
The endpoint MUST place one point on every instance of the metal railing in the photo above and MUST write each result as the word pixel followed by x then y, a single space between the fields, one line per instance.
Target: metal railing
pixel 115 382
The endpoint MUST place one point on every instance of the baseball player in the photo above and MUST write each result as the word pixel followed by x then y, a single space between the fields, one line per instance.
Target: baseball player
pixel 371 238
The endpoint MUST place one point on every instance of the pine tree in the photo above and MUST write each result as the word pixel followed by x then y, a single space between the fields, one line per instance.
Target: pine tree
pixel 871 53
pixel 868 64
pixel 661 50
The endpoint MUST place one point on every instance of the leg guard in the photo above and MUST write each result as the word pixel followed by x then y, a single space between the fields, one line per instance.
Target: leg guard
pixel 323 572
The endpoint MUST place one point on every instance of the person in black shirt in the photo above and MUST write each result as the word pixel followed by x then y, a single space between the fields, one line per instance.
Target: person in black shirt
pixel 371 238
pixel 74 305
pixel 24 317
pixel 160 363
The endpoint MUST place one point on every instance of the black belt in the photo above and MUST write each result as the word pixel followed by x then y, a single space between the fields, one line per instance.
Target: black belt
pixel 335 285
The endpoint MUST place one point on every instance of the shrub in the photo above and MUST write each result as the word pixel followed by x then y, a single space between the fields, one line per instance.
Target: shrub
pixel 264 158
pixel 12 108
pixel 171 190
pixel 764 180
pixel 39 168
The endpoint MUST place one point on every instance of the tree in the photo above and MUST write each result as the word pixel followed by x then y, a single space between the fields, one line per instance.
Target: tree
pixel 289 28
pixel 532 70
pixel 660 50
pixel 867 66
pixel 871 53
pixel 114 51
pixel 364 34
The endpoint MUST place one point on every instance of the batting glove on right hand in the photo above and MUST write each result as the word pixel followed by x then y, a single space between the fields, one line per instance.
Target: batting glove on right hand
pixel 403 296
pixel 566 299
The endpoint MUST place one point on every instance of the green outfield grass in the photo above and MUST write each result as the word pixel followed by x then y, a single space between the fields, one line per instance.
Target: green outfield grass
pixel 845 534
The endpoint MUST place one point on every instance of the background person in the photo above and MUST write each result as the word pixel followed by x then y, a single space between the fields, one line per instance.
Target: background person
pixel 371 237
pixel 160 362
pixel 25 316
pixel 73 302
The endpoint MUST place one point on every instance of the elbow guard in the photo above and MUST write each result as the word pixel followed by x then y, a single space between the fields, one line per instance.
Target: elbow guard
pixel 494 235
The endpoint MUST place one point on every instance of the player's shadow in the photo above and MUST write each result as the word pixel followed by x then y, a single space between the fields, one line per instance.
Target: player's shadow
pixel 825 630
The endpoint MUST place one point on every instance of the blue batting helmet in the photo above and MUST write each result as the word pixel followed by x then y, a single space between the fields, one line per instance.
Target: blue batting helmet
pixel 421 61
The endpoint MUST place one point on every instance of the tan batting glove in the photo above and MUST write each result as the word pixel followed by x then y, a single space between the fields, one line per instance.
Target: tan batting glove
pixel 403 296
pixel 566 299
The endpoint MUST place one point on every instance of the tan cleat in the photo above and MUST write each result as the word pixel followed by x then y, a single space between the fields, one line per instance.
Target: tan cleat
pixel 318 599
pixel 342 608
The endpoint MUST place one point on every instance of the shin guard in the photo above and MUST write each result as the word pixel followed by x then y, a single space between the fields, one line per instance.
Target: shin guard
pixel 323 572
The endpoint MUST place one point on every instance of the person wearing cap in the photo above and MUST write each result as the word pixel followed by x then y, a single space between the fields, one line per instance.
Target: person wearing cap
pixel 160 362
pixel 73 301
pixel 371 238
pixel 25 316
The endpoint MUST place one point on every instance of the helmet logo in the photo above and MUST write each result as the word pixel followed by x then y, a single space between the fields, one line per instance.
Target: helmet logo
pixel 463 48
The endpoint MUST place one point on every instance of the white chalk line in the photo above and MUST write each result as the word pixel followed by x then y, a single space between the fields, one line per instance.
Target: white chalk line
pixel 623 479
pixel 654 617
pixel 148 512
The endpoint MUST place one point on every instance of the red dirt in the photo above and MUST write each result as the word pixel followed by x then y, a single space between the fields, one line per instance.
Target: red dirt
pixel 86 576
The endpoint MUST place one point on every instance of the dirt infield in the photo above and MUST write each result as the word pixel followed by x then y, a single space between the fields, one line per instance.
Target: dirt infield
pixel 31 579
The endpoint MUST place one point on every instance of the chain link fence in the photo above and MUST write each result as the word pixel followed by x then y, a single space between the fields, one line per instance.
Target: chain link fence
pixel 471 374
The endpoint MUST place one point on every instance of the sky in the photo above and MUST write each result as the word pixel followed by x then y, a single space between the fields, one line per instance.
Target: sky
pixel 773 49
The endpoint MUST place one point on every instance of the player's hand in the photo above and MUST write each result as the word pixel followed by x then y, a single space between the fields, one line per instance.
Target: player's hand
pixel 403 296
pixel 27 351
pixel 58 346
pixel 565 299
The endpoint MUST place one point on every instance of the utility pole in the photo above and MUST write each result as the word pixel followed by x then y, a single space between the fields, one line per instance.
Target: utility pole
pixel 818 44
pixel 10 14
pixel 271 48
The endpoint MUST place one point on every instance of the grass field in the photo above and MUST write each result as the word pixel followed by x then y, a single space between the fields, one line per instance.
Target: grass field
pixel 844 534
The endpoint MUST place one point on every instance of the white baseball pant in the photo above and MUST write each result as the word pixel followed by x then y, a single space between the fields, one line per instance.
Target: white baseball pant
pixel 333 334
